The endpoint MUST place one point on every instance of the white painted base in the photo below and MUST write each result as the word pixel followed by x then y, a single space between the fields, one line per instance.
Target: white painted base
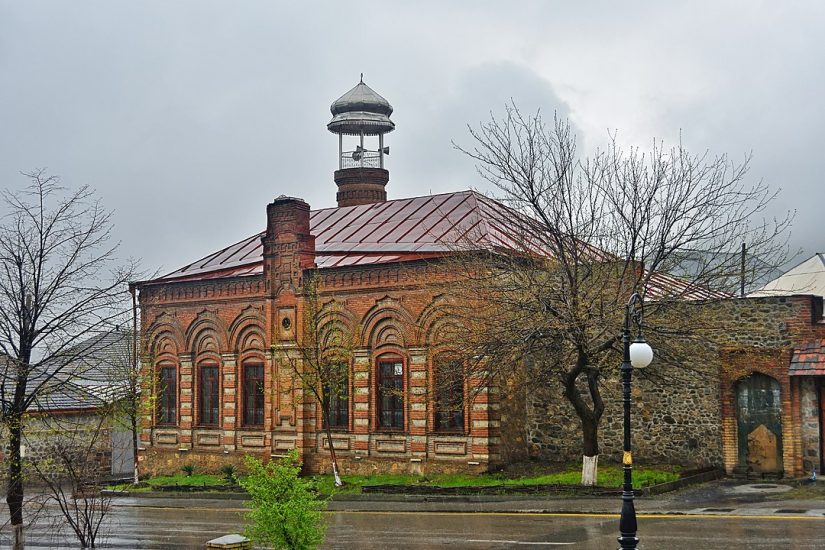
pixel 590 470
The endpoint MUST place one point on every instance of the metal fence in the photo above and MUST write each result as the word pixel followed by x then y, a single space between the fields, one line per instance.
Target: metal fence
pixel 364 159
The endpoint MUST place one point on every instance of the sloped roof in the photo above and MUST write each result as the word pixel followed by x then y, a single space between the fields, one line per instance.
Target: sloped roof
pixel 89 375
pixel 806 278
pixel 410 229
pixel 808 359
pixel 391 231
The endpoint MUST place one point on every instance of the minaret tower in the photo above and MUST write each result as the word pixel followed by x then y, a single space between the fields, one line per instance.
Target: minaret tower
pixel 361 113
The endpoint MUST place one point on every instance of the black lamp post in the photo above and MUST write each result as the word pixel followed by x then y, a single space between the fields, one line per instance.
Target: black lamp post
pixel 638 355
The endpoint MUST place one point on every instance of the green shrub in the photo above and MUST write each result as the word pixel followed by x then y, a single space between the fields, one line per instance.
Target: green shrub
pixel 228 472
pixel 285 511
pixel 188 469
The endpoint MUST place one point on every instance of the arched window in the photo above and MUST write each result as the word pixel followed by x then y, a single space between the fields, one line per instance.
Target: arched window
pixel 448 390
pixel 336 397
pixel 208 394
pixel 253 394
pixel 390 394
pixel 167 394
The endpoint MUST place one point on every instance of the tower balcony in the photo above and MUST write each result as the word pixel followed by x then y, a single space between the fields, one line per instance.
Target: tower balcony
pixel 360 159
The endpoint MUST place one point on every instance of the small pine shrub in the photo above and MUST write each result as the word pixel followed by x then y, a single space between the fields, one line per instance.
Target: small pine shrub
pixel 285 511
pixel 228 472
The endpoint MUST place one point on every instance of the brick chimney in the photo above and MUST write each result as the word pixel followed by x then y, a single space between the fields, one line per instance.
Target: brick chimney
pixel 288 246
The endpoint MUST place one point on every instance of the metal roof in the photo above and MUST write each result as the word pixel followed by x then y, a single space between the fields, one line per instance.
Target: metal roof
pixel 413 229
pixel 391 231
pixel 806 278
pixel 361 110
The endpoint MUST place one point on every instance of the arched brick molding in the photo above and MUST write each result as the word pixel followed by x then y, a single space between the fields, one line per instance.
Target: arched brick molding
pixel 388 323
pixel 207 333
pixel 247 331
pixel 335 325
pixel 774 364
pixel 164 337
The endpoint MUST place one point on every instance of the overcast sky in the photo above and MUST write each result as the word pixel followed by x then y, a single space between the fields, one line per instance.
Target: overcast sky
pixel 188 117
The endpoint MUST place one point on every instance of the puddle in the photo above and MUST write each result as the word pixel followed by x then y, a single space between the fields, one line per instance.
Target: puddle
pixel 764 488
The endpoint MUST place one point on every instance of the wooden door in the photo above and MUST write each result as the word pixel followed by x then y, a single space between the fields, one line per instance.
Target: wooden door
pixel 760 424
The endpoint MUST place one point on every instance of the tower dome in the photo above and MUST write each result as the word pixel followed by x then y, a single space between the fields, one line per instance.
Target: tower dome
pixel 361 177
pixel 361 111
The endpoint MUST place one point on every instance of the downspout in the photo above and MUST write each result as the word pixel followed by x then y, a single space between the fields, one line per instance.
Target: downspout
pixel 134 378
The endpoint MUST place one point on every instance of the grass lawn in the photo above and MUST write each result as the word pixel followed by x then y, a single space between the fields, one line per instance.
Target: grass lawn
pixel 197 480
pixel 609 476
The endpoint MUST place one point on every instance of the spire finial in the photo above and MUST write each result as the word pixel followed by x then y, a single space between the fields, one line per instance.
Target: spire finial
pixel 362 78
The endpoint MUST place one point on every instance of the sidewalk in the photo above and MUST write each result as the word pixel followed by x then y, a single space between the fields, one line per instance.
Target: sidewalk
pixel 721 497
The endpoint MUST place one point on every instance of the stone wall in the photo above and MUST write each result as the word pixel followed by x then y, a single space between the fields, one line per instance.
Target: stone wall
pixel 684 412
pixel 809 422
pixel 42 434
pixel 671 423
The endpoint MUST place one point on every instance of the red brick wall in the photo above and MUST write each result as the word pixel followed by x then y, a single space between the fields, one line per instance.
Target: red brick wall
pixel 392 308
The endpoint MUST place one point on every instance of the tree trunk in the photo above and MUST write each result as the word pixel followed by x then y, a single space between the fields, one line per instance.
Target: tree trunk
pixel 589 417
pixel 590 445
pixel 333 458
pixel 14 495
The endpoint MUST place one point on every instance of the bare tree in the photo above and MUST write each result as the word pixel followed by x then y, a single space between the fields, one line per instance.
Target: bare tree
pixel 59 280
pixel 74 471
pixel 581 235
pixel 322 356
pixel 125 376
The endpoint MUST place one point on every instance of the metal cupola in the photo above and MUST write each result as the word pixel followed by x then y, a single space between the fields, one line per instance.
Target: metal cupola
pixel 361 177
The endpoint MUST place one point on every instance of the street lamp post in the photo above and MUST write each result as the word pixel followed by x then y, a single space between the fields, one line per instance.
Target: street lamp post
pixel 639 355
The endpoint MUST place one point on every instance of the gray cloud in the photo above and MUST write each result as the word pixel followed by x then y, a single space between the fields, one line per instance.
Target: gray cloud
pixel 188 117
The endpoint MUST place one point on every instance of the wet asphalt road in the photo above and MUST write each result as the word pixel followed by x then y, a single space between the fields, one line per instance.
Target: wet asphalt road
pixel 159 527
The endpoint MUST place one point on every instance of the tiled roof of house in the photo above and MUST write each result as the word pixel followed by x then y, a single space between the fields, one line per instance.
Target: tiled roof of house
pixel 808 359
pixel 89 375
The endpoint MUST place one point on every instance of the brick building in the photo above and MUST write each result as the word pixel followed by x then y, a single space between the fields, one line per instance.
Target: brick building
pixel 215 329
pixel 215 333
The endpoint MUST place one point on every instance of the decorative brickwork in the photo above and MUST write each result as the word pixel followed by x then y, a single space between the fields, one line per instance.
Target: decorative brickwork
pixel 225 323
pixel 361 186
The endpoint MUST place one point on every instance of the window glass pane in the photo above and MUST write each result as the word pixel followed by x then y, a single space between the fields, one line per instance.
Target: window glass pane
pixel 391 394
pixel 209 397
pixel 449 395
pixel 167 395
pixel 253 395
pixel 336 397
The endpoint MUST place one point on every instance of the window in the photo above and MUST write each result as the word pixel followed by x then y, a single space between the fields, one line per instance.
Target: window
pixel 391 394
pixel 167 395
pixel 208 396
pixel 336 398
pixel 253 394
pixel 449 395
